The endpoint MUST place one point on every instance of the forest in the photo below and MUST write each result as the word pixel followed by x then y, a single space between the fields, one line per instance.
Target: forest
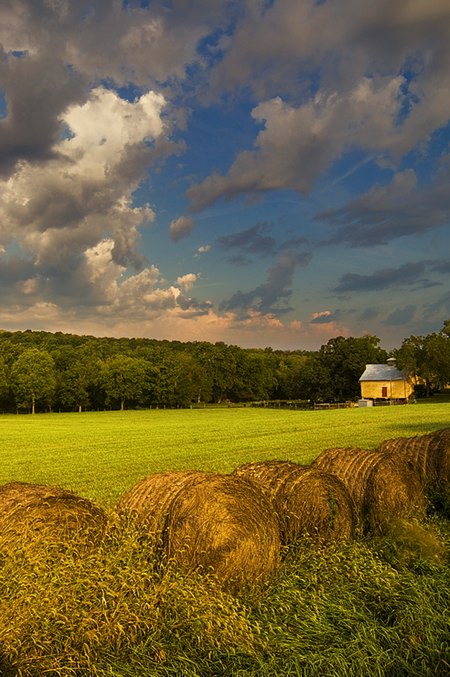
pixel 44 371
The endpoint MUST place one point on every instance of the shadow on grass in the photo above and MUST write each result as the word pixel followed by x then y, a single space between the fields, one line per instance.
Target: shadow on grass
pixel 437 398
pixel 411 427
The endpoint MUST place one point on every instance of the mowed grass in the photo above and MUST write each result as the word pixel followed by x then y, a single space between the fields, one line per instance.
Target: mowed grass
pixel 102 454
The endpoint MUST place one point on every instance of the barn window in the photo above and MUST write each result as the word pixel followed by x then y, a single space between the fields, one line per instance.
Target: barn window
pixel 383 391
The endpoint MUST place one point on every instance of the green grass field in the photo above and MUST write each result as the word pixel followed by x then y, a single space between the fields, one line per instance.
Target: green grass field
pixel 375 607
pixel 102 454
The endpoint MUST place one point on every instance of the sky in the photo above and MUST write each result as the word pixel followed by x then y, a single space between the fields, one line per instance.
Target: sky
pixel 266 173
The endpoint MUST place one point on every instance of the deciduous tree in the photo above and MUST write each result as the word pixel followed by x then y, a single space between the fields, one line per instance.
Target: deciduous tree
pixel 426 361
pixel 77 370
pixel 4 381
pixel 124 379
pixel 33 379
pixel 345 359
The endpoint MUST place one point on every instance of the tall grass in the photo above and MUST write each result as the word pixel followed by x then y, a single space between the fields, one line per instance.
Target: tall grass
pixel 358 609
pixel 374 607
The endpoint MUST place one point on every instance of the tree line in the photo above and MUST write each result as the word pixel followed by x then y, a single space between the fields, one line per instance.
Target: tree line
pixel 45 371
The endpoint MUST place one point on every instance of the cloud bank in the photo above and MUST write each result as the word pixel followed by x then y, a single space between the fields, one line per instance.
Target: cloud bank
pixel 120 121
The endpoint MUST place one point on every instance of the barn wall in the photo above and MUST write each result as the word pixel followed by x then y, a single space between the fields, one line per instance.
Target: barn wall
pixel 395 389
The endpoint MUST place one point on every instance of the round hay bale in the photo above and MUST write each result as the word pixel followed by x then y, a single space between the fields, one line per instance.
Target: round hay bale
pixel 441 451
pixel 352 465
pixel 429 456
pixel 308 501
pixel 34 515
pixel 151 498
pixel 416 452
pixel 269 474
pixel 393 490
pixel 381 485
pixel 216 523
pixel 443 439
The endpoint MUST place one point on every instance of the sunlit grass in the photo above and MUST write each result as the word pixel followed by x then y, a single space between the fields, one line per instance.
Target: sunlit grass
pixel 340 609
pixel 102 454
pixel 375 607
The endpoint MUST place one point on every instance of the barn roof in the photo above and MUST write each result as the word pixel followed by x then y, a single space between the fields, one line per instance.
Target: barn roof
pixel 382 372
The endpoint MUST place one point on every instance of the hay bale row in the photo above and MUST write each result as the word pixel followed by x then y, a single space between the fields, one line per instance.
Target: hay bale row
pixel 414 451
pixel 34 515
pixel 381 485
pixel 308 501
pixel 352 465
pixel 217 523
pixel 151 498
pixel 212 522
pixel 393 491
pixel 428 456
pixel 234 525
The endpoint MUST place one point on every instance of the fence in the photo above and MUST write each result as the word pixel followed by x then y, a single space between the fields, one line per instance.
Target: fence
pixel 302 404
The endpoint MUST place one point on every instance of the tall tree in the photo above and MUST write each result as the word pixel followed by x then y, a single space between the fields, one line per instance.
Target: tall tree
pixel 33 379
pixel 77 373
pixel 182 380
pixel 9 351
pixel 4 380
pixel 254 377
pixel 315 381
pixel 293 376
pixel 219 362
pixel 345 359
pixel 426 361
pixel 124 379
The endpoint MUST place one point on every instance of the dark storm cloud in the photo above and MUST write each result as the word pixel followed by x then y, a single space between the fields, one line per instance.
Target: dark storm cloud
pixel 386 213
pixel 51 53
pixel 274 295
pixel 15 269
pixel 381 279
pixel 251 241
pixel 35 103
pixel 442 267
pixel 293 37
pixel 254 242
pixel 400 316
pixel 369 314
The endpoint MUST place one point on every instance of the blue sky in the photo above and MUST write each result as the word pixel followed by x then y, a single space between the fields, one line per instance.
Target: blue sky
pixel 263 173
